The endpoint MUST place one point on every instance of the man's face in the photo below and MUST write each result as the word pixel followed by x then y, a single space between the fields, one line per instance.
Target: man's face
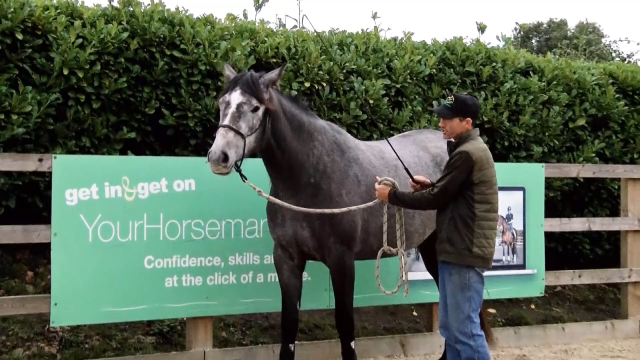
pixel 452 128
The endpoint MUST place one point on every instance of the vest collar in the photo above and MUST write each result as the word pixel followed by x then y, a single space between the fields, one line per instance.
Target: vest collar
pixel 453 144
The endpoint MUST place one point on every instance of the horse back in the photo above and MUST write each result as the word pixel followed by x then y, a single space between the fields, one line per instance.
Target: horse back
pixel 351 182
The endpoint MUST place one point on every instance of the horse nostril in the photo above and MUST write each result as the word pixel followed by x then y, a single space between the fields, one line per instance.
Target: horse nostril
pixel 225 157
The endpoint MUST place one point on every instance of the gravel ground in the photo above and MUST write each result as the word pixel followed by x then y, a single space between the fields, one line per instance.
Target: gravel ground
pixel 595 350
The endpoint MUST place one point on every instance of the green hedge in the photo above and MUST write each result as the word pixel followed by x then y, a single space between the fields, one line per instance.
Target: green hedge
pixel 133 79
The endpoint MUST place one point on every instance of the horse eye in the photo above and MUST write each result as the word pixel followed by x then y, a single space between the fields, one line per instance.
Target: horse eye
pixel 255 109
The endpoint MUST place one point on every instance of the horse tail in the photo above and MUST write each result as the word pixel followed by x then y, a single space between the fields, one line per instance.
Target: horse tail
pixel 486 328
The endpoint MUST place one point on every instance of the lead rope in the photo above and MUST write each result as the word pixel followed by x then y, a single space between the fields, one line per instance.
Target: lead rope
pixel 403 274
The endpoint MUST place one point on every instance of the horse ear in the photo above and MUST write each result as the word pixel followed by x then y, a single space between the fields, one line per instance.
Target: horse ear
pixel 228 72
pixel 272 78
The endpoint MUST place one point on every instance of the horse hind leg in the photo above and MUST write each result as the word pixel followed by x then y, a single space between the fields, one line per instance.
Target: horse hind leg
pixel 289 268
pixel 429 256
pixel 515 246
pixel 512 247
pixel 427 251
pixel 342 271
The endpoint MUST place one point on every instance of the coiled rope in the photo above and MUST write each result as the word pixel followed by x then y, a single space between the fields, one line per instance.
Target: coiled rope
pixel 403 274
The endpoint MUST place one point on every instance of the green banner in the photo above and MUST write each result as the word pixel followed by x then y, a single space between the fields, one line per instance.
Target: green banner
pixel 142 238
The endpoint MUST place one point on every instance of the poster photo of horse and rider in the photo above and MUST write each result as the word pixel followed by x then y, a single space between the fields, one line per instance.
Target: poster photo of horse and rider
pixel 510 236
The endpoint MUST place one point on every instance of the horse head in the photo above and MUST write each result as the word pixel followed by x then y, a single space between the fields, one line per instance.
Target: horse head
pixel 502 223
pixel 244 107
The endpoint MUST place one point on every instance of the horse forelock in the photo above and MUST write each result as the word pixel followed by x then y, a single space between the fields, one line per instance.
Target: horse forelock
pixel 249 83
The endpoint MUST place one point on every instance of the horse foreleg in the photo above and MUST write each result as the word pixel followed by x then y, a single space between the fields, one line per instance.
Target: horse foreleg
pixel 342 271
pixel 289 267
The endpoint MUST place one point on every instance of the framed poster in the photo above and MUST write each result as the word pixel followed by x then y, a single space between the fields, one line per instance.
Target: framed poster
pixel 510 232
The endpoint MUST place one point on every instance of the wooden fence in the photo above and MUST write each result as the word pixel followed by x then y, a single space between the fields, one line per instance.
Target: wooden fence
pixel 199 331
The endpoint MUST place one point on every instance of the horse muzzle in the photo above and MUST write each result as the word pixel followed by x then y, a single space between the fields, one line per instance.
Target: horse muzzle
pixel 219 162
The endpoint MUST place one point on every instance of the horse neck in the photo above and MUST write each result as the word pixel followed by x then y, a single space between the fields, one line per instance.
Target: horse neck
pixel 297 147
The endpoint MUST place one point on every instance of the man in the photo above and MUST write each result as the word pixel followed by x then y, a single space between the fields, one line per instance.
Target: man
pixel 465 198
pixel 509 218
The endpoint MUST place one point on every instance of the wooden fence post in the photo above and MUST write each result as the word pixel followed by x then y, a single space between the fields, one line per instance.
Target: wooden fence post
pixel 630 246
pixel 434 317
pixel 199 333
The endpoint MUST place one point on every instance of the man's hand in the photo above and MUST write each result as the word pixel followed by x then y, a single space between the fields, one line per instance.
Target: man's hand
pixel 382 191
pixel 421 183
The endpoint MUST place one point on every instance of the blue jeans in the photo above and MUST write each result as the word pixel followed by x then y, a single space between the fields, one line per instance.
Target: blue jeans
pixel 461 289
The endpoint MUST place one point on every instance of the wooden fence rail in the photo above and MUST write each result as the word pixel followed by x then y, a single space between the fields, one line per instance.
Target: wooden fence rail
pixel 200 330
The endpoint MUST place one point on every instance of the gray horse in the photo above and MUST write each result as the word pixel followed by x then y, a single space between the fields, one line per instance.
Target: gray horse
pixel 314 163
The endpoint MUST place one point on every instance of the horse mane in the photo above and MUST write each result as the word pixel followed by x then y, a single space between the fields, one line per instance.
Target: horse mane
pixel 286 105
pixel 301 103
pixel 249 83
